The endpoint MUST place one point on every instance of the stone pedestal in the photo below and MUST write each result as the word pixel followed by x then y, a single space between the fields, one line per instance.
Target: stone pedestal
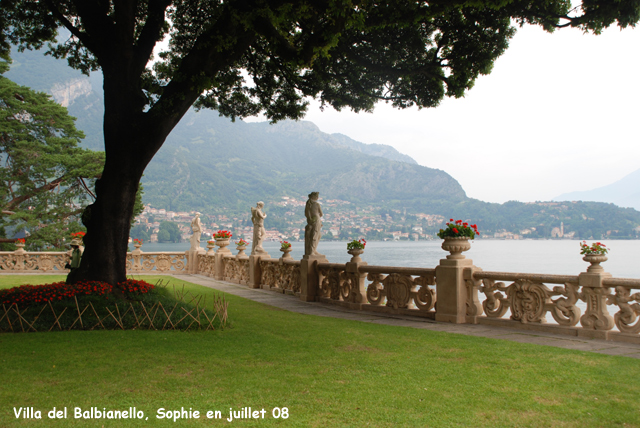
pixel 358 293
pixel 451 292
pixel 309 277
pixel 596 317
pixel 255 271
pixel 192 261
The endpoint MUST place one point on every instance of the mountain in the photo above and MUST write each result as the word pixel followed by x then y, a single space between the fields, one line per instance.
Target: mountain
pixel 216 166
pixel 208 160
pixel 624 192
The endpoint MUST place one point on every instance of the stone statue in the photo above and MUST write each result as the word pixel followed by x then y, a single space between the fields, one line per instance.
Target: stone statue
pixel 196 228
pixel 257 217
pixel 313 229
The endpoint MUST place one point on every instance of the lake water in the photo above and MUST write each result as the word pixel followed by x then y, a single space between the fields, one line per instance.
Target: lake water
pixel 561 257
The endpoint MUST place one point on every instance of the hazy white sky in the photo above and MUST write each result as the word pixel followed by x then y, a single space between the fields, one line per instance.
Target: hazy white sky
pixel 559 113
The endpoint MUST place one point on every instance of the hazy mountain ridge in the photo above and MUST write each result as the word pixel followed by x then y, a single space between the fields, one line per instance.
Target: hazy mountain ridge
pixel 231 162
pixel 624 192
pixel 213 165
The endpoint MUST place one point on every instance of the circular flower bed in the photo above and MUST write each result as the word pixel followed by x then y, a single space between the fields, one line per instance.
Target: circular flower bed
pixel 26 295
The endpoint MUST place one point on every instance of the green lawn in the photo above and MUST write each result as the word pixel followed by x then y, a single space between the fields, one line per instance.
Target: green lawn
pixel 326 372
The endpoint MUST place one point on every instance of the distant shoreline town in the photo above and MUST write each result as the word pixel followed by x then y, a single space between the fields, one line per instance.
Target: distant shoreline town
pixel 341 221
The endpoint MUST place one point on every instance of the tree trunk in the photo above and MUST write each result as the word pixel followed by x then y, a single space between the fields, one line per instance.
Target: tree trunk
pixel 129 146
pixel 132 137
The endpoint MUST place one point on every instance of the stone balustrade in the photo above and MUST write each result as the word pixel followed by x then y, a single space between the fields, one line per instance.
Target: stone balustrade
pixel 591 304
pixel 281 275
pixel 399 290
pixel 21 261
pixel 156 263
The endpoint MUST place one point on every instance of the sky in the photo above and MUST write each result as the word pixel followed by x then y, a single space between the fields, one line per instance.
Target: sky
pixel 558 113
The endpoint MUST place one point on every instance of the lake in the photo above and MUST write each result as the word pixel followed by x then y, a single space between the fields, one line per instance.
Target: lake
pixel 561 257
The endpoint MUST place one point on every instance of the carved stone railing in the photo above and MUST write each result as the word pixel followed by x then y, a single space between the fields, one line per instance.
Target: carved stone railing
pixel 528 298
pixel 156 263
pixel 281 275
pixel 579 305
pixel 54 262
pixel 206 265
pixel 27 262
pixel 399 290
pixel 591 304
pixel 627 319
pixel 236 269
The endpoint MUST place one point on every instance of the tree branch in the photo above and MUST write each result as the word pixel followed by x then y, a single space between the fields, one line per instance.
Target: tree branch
pixel 83 37
pixel 45 188
pixel 151 32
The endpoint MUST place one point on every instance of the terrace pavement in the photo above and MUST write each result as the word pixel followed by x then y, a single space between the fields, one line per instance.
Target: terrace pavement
pixel 293 304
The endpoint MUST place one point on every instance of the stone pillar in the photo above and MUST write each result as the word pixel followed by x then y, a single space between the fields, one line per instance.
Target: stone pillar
pixel 309 276
pixel 219 256
pixel 136 255
pixel 192 260
pixel 451 291
pixel 359 295
pixel 596 321
pixel 255 271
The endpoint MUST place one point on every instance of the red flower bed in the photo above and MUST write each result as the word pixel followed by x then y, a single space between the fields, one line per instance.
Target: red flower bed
pixel 26 295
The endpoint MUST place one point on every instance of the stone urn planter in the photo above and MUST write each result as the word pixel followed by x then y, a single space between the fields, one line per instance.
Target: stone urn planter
pixel 456 246
pixel 595 260
pixel 286 253
pixel 210 247
pixel 20 247
pixel 223 243
pixel 355 253
pixel 137 246
pixel 241 249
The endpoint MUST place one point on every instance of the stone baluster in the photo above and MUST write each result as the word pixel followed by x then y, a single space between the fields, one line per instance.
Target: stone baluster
pixel 358 292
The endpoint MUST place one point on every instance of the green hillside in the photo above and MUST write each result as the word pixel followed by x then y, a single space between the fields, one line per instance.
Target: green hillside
pixel 213 165
pixel 209 161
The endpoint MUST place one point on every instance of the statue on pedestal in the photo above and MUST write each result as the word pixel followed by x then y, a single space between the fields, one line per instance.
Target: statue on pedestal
pixel 196 228
pixel 257 217
pixel 313 229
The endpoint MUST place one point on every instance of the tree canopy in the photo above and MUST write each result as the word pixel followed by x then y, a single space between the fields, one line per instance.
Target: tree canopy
pixel 244 57
pixel 46 178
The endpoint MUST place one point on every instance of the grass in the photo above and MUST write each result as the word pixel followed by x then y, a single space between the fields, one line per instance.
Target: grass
pixel 326 372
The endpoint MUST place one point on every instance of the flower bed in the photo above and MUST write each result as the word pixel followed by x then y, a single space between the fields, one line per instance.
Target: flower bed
pixel 26 295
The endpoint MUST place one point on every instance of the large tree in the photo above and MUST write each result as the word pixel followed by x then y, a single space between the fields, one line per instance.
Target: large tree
pixel 45 178
pixel 243 57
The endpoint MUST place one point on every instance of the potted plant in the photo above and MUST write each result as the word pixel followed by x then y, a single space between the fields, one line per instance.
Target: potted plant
pixel 594 254
pixel 137 243
pixel 286 249
pixel 210 244
pixel 241 245
pixel 20 243
pixel 456 237
pixel 222 238
pixel 356 248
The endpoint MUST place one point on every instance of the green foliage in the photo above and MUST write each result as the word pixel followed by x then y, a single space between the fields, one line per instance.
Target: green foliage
pixel 139 231
pixel 597 248
pixel 169 232
pixel 458 229
pixel 46 179
pixel 138 206
pixel 356 244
